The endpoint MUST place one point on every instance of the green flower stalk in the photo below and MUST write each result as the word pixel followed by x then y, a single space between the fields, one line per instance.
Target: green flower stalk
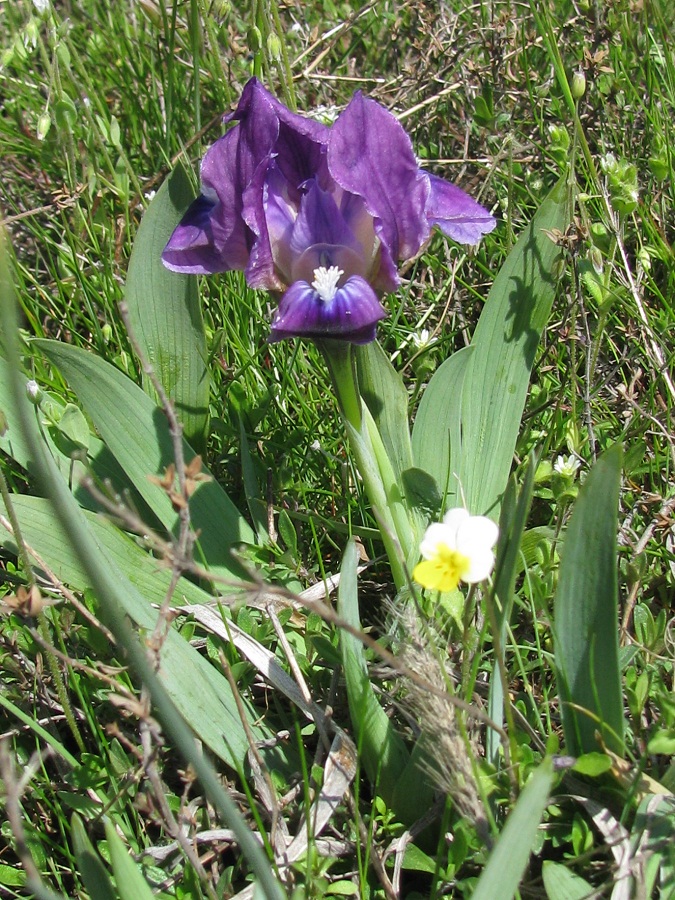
pixel 372 460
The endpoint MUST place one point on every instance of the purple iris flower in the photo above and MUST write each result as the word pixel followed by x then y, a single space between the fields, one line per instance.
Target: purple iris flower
pixel 321 215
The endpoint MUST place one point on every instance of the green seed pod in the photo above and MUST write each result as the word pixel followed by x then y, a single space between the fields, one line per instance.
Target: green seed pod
pixel 595 257
pixel 273 46
pixel 578 86
pixel 254 38
pixel 43 125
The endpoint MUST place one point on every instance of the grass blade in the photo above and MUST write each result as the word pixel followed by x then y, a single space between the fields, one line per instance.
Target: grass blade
pixel 506 865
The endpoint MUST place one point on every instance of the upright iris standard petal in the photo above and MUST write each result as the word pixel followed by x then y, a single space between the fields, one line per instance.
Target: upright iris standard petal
pixel 284 197
pixel 320 221
pixel 370 155
pixel 322 310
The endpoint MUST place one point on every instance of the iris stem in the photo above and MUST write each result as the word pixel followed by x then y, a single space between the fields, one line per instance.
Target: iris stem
pixel 371 459
pixel 342 367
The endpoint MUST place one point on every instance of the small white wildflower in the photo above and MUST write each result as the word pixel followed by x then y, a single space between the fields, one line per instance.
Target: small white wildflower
pixel 422 339
pixel 457 549
pixel 41 6
pixel 566 466
pixel 31 34
pixel 43 125
pixel 315 446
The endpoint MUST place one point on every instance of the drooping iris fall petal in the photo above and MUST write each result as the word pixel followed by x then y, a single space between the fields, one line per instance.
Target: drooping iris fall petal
pixel 321 311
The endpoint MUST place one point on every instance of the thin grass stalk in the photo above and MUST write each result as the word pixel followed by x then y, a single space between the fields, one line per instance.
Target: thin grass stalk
pixel 285 71
pixel 196 46
pixel 109 593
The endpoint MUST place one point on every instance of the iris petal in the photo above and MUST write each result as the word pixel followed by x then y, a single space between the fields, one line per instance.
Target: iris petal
pixel 212 236
pixel 457 214
pixel 351 315
pixel 369 154
pixel 320 222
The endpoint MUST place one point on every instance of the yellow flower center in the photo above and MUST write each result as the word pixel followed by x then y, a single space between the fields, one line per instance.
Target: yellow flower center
pixel 443 571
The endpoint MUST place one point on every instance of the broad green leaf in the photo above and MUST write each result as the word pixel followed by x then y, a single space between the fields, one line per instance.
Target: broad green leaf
pixel 89 865
pixel 73 426
pixel 652 837
pixel 137 434
pixel 10 876
pixel 506 864
pixel 562 884
pixel 586 615
pixel 204 698
pixel 100 461
pixel 12 442
pixel 385 395
pixel 381 748
pixel 165 313
pixel 504 347
pixel 593 765
pixel 143 570
pixel 34 726
pixel 414 793
pixel 129 879
pixel 437 432
pixel 417 860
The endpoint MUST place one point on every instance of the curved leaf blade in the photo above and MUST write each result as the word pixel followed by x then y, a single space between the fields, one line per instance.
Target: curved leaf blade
pixel 165 312
pixel 505 343
pixel 586 615
pixel 128 877
pixel 506 865
pixel 386 397
pixel 137 434
pixel 437 432
pixel 381 749
pixel 205 698
pixel 93 872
